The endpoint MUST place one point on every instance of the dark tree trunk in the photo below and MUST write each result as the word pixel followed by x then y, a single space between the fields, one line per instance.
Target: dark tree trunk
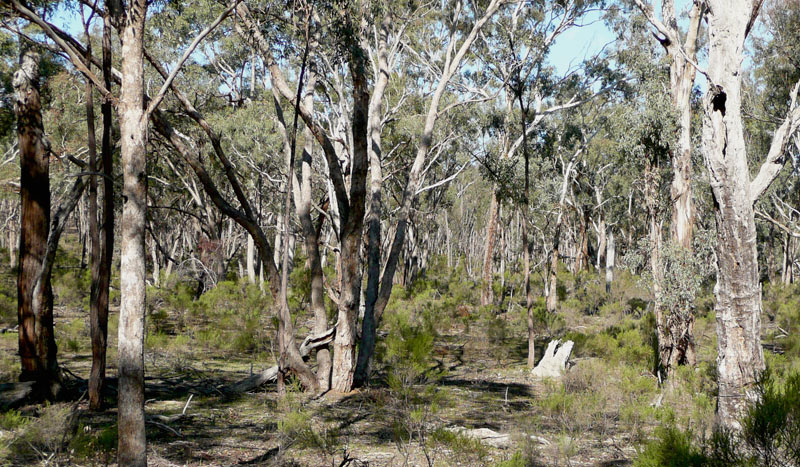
pixel 344 345
pixel 37 346
pixel 101 282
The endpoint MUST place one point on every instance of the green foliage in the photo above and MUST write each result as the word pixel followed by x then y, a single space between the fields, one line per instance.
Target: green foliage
pixel 462 450
pixel 629 342
pixel 89 443
pixel 231 316
pixel 772 425
pixel 296 428
pixel 672 448
pixel 38 437
pixel 770 433
pixel 12 420
pixel 71 288
pixel 407 351
pixel 8 299
pixel 782 307
pixel 73 336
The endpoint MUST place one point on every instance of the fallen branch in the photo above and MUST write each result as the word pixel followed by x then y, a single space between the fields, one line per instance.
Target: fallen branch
pixel 271 374
pixel 165 428
pixel 14 394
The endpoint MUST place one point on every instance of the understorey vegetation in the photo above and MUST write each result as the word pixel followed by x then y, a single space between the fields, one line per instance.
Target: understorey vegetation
pixel 380 232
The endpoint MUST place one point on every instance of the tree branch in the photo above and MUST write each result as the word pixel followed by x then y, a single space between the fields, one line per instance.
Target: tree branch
pixel 775 157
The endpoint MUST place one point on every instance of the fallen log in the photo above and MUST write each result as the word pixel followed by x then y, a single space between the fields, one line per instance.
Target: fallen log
pixel 271 374
pixel 15 394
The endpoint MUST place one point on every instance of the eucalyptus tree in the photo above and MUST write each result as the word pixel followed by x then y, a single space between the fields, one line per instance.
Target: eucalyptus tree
pixel 102 241
pixel 456 34
pixel 516 55
pixel 38 240
pixel 738 291
pixel 676 339
pixel 775 68
pixel 681 49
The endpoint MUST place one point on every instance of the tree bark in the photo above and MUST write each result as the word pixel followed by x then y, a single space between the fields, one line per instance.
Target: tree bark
pixel 370 322
pixel 132 449
pixel 679 347
pixel 344 344
pixel 102 242
pixel 738 292
pixel 37 346
pixel 487 295
pixel 526 241
pixel 610 260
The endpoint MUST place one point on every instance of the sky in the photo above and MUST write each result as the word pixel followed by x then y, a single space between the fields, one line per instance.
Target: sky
pixel 579 43
pixel 569 50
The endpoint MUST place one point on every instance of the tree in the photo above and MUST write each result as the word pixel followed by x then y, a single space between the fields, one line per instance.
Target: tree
pixel 675 326
pixel 103 241
pixel 130 19
pixel 738 292
pixel 37 345
pixel 39 232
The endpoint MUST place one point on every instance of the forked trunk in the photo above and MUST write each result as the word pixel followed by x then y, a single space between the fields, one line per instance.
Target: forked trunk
pixel 344 345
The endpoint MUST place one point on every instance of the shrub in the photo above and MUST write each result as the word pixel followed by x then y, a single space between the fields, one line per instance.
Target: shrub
pixel 41 436
pixel 770 434
pixel 772 425
pixel 672 447
pixel 408 349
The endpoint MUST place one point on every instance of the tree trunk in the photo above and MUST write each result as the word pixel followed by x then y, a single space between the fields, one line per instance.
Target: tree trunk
pixel 132 450
pixel 738 308
pixel 415 176
pixel 98 303
pixel 37 346
pixel 552 283
pixel 370 322
pixel 680 346
pixel 344 345
pixel 311 235
pixel 663 330
pixel 526 241
pixel 602 243
pixel 610 260
pixel 487 295
pixel 251 260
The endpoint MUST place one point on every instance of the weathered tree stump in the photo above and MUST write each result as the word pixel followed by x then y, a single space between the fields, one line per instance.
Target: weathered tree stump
pixel 555 360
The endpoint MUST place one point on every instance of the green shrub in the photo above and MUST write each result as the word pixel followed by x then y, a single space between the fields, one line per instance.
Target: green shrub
pixel 770 434
pixel 43 435
pixel 71 288
pixel 407 351
pixel 463 450
pixel 12 420
pixel 672 447
pixel 88 443
pixel 73 335
pixel 772 425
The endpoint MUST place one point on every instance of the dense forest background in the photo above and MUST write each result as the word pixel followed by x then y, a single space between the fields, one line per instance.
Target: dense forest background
pixel 356 232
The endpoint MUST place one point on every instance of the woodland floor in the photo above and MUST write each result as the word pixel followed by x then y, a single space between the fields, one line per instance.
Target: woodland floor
pixel 478 390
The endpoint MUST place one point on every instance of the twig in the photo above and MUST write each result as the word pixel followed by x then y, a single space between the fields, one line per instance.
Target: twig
pixel 187 404
pixel 165 428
